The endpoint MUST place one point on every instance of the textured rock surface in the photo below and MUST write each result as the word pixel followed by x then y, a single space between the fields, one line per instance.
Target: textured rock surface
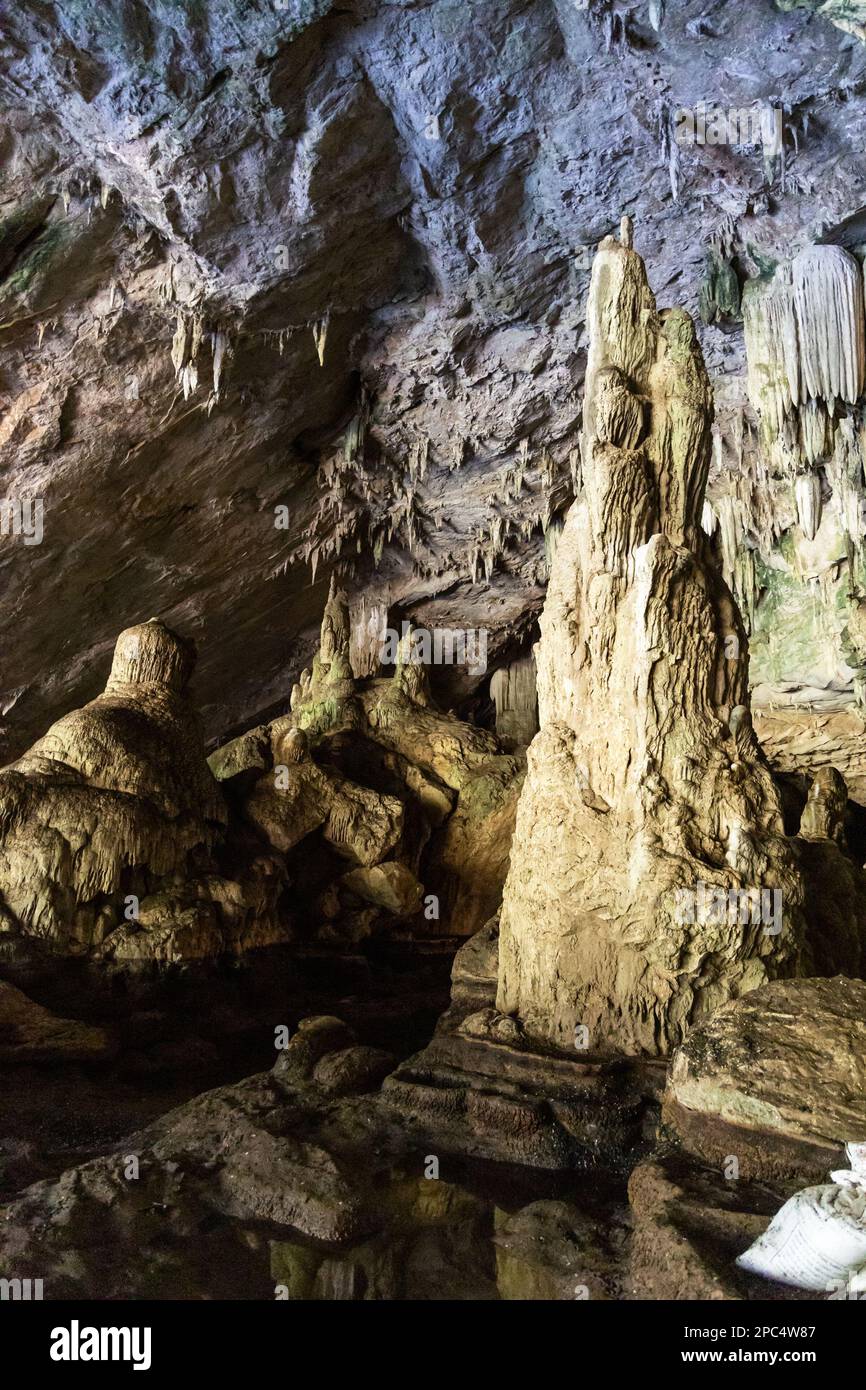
pixel 29 1033
pixel 776 1078
pixel 419 803
pixel 646 780
pixel 690 1224
pixel 800 740
pixel 110 824
pixel 191 193
pixel 116 836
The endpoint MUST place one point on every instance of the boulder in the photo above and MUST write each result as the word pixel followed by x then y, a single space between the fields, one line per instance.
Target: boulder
pixel 689 1226
pixel 776 1079
pixel 390 886
pixel 31 1034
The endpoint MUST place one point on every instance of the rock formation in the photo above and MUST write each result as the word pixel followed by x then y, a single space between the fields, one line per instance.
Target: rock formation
pixel 303 346
pixel 647 799
pixel 110 824
pixel 513 691
pixel 419 804
pixel 776 1079
pixel 117 838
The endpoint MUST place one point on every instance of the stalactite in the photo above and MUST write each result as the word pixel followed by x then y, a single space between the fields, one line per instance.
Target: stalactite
pixel 813 431
pixel 419 455
pixel 180 344
pixel 547 468
pixel 720 290
pixel 552 534
pixel 189 379
pixel 220 349
pixel 746 585
pixel 278 337
pixel 320 336
pixel 167 287
pixel 669 150
pixel 575 467
pixel 807 493
pixel 512 689
pixel 771 347
pixel 828 293
pixel 805 334
pixel 845 473
pixel 732 532
pixel 356 434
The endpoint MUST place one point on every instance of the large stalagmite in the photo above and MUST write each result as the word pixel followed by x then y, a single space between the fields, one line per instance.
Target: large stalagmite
pixel 110 825
pixel 646 795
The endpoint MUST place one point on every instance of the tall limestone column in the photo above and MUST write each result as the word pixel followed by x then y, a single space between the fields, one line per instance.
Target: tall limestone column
pixel 646 794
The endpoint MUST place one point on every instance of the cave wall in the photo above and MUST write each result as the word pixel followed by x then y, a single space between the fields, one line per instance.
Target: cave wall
pixel 335 259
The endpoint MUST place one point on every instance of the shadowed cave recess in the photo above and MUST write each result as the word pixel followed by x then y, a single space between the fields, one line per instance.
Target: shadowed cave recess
pixel 432 645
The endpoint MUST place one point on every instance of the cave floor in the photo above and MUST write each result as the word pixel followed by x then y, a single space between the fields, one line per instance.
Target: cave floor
pixel 442 1226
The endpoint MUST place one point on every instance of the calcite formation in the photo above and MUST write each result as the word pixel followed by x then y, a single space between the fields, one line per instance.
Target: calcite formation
pixel 419 803
pixel 455 305
pixel 110 824
pixel 512 690
pixel 649 824
pixel 806 344
pixel 118 839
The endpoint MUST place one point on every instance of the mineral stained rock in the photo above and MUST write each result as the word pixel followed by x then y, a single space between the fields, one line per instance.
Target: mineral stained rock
pixel 420 803
pixel 776 1079
pixel 117 837
pixel 110 824
pixel 646 791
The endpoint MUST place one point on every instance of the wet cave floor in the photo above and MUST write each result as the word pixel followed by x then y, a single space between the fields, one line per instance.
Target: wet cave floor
pixel 185 1031
pixel 446 1227
pixel 189 1032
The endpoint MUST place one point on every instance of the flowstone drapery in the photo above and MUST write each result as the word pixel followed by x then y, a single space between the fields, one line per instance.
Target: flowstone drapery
pixel 647 798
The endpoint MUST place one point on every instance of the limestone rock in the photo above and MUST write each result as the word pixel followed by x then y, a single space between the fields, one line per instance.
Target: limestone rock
pixel 476 969
pixel 315 1038
pixel 327 699
pixel 115 804
pixel 690 1224
pixel 380 775
pixel 388 885
pixel 353 1070
pixel 512 690
pixel 824 813
pixel 479 1095
pixel 638 789
pixel 500 333
pixel 777 1078
pixel 553 1250
pixel 473 848
pixel 804 739
pixel 30 1034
